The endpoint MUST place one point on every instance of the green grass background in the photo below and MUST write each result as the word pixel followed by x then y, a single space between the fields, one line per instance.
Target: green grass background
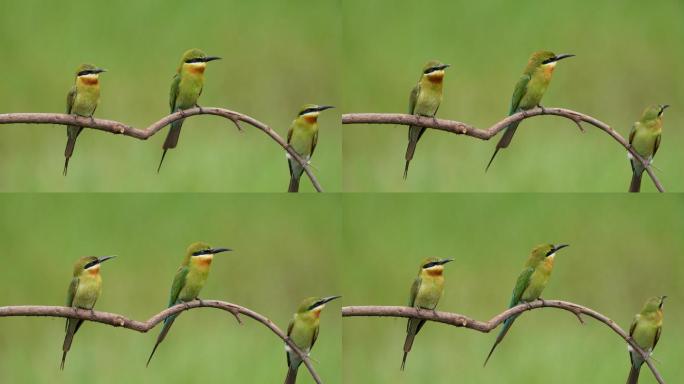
pixel 283 252
pixel 628 55
pixel 277 57
pixel 623 250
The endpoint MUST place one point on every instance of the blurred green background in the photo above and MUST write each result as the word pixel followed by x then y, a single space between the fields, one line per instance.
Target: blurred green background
pixel 277 57
pixel 283 252
pixel 623 250
pixel 628 55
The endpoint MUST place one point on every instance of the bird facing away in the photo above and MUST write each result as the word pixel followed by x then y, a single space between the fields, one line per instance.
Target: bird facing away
pixel 426 291
pixel 303 137
pixel 645 139
pixel 186 88
pixel 424 101
pixel 530 284
pixel 84 290
pixel 645 331
pixel 529 91
pixel 303 331
pixel 188 282
pixel 82 100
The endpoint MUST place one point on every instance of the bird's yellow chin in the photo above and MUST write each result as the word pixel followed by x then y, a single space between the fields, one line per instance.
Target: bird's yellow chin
pixel 197 68
pixel 89 79
pixel 203 260
pixel 317 312
pixel 436 76
pixel 94 270
pixel 437 270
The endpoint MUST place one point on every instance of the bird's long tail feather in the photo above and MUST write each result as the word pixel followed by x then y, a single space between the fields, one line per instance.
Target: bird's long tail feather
pixel 291 377
pixel 171 139
pixel 635 185
pixel 408 343
pixel 296 171
pixel 504 142
pixel 633 377
pixel 506 327
pixel 72 134
pixel 168 322
pixel 72 327
pixel 414 135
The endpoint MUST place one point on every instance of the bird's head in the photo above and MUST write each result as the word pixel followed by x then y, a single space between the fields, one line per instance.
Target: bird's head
pixel 433 266
pixel 314 305
pixel 653 304
pixel 546 59
pixel 90 264
pixel 203 253
pixel 195 60
pixel 88 73
pixel 310 112
pixel 653 113
pixel 434 71
pixel 544 251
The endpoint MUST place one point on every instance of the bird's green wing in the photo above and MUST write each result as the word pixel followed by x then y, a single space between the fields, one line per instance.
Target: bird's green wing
pixel 289 331
pixel 520 286
pixel 72 291
pixel 178 283
pixel 656 145
pixel 632 132
pixel 518 92
pixel 413 98
pixel 71 96
pixel 314 141
pixel 657 337
pixel 289 133
pixel 414 291
pixel 314 337
pixel 633 326
pixel 173 94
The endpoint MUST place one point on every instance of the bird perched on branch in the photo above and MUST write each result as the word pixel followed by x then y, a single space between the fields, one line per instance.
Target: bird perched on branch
pixel 186 88
pixel 645 139
pixel 82 100
pixel 645 331
pixel 188 282
pixel 425 99
pixel 530 284
pixel 303 331
pixel 84 290
pixel 303 137
pixel 529 91
pixel 426 291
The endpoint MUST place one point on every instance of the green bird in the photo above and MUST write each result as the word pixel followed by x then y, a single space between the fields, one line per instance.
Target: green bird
pixel 530 284
pixel 303 331
pixel 82 100
pixel 188 282
pixel 425 99
pixel 186 88
pixel 529 91
pixel 645 139
pixel 645 331
pixel 303 137
pixel 84 290
pixel 426 291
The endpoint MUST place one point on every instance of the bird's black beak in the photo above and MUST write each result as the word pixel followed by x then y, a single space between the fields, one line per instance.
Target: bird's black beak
pixel 444 66
pixel 324 107
pixel 211 58
pixel 327 299
pixel 99 70
pixel 663 108
pixel 218 250
pixel 444 261
pixel 102 259
pixel 559 246
pixel 562 56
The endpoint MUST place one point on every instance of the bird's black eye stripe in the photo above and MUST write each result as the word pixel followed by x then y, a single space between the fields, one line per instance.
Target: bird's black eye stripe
pixel 431 69
pixel 430 265
pixel 308 110
pixel 201 252
pixel 551 252
pixel 86 72
pixel 92 263
pixel 316 304
pixel 549 60
pixel 195 60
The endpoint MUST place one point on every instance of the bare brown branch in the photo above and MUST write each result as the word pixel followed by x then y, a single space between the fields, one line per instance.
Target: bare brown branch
pixel 143 134
pixel 459 320
pixel 460 128
pixel 117 320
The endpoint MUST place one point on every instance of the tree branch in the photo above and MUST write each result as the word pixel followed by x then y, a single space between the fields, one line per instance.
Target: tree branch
pixel 117 320
pixel 459 128
pixel 459 320
pixel 143 134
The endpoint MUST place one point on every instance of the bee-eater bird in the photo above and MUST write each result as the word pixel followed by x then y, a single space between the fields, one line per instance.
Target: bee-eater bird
pixel 303 331
pixel 645 139
pixel 424 101
pixel 530 284
pixel 426 291
pixel 529 91
pixel 188 282
pixel 84 290
pixel 303 137
pixel 186 88
pixel 645 331
pixel 82 100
